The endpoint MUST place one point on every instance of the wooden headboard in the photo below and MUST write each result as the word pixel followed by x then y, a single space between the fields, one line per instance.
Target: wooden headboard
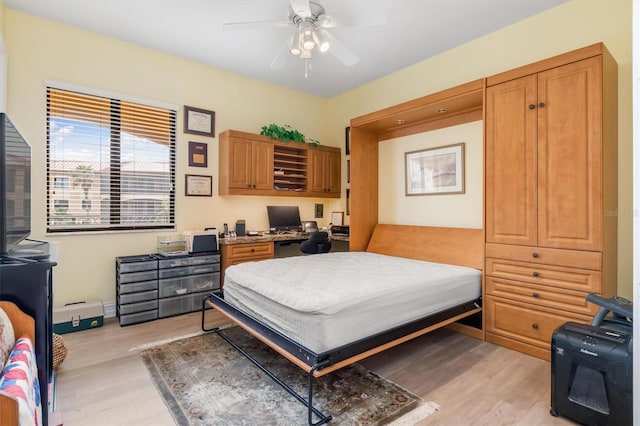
pixel 22 323
pixel 456 246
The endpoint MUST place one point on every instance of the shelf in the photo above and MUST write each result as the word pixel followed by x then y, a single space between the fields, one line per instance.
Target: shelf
pixel 290 168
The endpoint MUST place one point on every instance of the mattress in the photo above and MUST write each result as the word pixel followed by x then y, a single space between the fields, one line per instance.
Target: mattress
pixel 328 300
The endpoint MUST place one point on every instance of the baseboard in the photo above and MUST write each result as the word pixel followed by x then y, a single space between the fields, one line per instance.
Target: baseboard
pixel 467 330
pixel 109 310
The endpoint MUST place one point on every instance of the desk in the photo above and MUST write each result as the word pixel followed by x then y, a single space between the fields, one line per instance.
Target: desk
pixel 247 249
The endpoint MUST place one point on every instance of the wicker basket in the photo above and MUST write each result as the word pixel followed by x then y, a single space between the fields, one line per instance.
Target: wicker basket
pixel 59 350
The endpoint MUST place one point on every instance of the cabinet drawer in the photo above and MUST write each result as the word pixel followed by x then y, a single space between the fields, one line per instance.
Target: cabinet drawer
pixel 189 270
pixel 136 287
pixel 257 250
pixel 541 255
pixel 137 276
pixel 526 323
pixel 548 275
pixel 132 308
pixel 566 300
pixel 138 297
pixel 177 286
pixel 138 317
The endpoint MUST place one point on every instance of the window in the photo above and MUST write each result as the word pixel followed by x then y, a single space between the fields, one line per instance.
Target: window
pixel 110 164
pixel 61 182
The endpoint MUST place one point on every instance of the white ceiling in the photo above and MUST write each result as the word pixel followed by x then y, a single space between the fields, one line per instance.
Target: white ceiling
pixel 193 29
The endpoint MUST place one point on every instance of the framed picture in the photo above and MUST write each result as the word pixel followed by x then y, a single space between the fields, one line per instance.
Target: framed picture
pixel 348 201
pixel 197 154
pixel 337 218
pixel 435 170
pixel 197 185
pixel 347 135
pixel 199 121
pixel 348 171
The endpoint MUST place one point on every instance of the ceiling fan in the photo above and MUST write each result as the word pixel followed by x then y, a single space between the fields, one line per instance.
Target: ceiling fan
pixel 311 22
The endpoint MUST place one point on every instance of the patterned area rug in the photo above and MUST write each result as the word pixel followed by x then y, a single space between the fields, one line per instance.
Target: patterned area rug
pixel 204 381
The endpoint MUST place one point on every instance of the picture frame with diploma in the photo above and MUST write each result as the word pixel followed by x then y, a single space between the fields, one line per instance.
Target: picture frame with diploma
pixel 198 185
pixel 198 121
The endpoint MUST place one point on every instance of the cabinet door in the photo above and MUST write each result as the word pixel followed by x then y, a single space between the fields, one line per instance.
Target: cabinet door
pixel 333 166
pixel 510 162
pixel 262 165
pixel 325 171
pixel 317 160
pixel 250 164
pixel 240 167
pixel 570 156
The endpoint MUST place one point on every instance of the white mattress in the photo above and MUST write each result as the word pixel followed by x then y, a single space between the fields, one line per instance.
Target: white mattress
pixel 324 301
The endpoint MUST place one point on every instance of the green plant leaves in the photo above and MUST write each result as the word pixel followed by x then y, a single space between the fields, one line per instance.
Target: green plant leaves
pixel 285 134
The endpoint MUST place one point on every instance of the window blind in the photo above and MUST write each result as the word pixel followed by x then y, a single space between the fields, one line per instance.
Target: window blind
pixel 110 164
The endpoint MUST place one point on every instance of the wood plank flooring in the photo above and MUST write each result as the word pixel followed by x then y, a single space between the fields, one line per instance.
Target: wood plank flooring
pixel 104 382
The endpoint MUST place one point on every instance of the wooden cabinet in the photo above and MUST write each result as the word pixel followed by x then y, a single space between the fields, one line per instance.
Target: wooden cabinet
pixel 232 254
pixel 248 165
pixel 325 171
pixel 550 179
pixel 251 164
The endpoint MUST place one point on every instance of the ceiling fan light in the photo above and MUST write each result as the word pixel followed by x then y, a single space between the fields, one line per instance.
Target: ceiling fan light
pixel 295 49
pixel 321 42
pixel 306 54
pixel 307 42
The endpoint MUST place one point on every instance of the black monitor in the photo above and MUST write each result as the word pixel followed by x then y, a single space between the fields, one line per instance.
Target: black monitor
pixel 284 218
pixel 15 186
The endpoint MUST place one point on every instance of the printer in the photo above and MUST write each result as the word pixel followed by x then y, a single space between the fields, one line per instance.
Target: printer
pixel 202 241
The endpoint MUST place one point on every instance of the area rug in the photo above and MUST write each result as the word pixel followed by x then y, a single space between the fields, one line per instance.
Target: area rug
pixel 204 381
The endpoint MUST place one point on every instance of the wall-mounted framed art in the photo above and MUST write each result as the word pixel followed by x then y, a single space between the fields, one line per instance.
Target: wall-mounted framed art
pixel 198 121
pixel 198 185
pixel 347 137
pixel 435 170
pixel 197 154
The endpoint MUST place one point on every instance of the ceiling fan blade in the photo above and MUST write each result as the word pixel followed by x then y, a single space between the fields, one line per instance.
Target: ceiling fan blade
pixel 301 8
pixel 280 60
pixel 364 18
pixel 339 50
pixel 253 25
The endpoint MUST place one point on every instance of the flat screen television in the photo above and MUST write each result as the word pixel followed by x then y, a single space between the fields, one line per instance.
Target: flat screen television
pixel 284 218
pixel 15 186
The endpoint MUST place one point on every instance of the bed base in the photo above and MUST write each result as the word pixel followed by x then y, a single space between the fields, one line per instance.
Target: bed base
pixel 317 365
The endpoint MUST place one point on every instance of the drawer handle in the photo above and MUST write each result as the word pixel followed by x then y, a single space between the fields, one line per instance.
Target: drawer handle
pixel 536 274
pixel 534 254
pixel 534 326
pixel 536 294
pixel 252 250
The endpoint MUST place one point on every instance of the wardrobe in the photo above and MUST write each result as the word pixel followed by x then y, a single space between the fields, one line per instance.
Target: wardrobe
pixel 550 196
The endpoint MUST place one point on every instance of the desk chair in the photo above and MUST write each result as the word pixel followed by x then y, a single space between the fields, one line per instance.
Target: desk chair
pixel 317 243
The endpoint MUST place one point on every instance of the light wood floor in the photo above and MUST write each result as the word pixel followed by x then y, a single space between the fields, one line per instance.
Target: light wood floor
pixel 104 382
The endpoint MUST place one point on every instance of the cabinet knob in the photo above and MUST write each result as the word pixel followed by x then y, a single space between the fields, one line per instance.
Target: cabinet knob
pixel 536 274
pixel 534 325
pixel 532 106
pixel 252 250
pixel 541 104
pixel 536 294
pixel 534 254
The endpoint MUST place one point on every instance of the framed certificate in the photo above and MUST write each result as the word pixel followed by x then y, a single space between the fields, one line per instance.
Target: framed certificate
pixel 197 154
pixel 199 121
pixel 197 185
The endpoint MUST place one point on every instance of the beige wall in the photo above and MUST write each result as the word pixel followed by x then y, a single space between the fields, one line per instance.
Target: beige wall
pixel 575 24
pixel 42 50
pixel 246 104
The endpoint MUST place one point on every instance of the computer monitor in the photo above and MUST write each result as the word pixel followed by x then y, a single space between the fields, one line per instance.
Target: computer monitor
pixel 284 218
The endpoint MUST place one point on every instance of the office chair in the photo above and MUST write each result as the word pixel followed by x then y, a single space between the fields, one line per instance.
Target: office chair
pixel 317 243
